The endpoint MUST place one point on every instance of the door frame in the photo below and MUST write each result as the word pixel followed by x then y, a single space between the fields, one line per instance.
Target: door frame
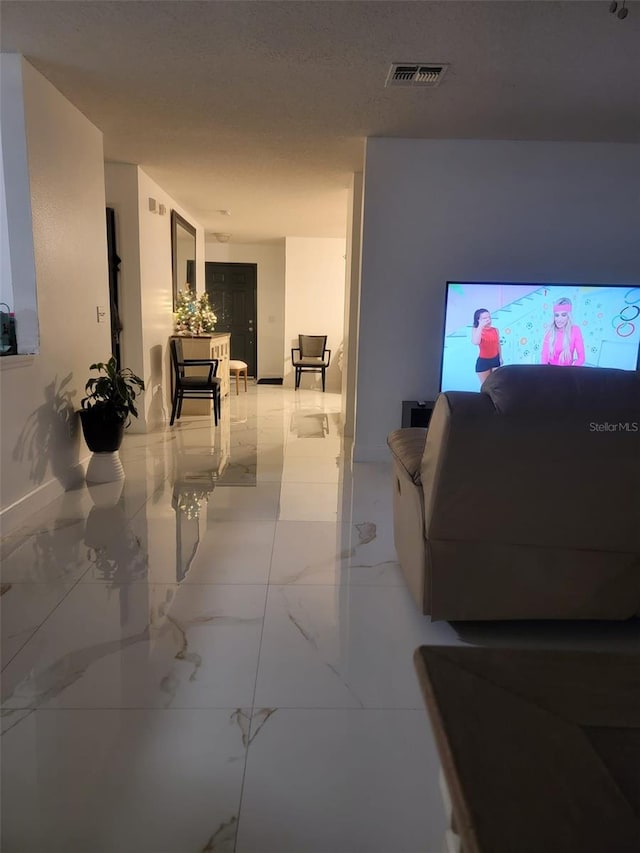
pixel 114 262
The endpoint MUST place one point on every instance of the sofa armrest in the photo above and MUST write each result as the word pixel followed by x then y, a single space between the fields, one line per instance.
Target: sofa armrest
pixel 407 446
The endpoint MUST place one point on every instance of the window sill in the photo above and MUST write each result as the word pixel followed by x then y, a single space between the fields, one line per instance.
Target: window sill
pixel 9 361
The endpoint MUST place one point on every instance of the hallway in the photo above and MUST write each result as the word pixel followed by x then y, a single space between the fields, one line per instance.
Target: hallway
pixel 222 660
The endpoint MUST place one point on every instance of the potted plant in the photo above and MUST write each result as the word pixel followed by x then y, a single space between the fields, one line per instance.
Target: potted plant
pixel 109 405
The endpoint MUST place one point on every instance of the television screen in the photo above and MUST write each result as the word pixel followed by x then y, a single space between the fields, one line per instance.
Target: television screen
pixel 569 325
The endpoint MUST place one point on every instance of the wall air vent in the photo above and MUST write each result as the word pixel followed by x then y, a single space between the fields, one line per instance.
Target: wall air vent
pixel 415 74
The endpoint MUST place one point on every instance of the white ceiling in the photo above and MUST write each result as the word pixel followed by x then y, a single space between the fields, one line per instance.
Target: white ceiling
pixel 262 108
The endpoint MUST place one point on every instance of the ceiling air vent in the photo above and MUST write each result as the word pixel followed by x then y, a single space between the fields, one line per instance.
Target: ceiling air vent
pixel 415 74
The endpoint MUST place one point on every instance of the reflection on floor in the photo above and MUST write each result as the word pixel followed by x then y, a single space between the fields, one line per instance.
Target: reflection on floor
pixel 217 655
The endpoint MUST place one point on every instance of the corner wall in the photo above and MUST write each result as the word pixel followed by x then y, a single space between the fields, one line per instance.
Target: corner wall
pixel 472 210
pixel 146 283
pixel 41 444
pixel 156 282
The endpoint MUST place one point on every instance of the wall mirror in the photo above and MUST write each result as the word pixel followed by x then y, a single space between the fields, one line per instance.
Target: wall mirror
pixel 183 254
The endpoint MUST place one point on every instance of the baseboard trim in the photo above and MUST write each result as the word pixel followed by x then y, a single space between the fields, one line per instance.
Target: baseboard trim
pixel 19 511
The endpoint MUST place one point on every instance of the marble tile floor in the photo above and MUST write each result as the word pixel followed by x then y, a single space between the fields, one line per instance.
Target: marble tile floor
pixel 216 655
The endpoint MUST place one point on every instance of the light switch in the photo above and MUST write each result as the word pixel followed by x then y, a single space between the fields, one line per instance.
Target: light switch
pixel 102 314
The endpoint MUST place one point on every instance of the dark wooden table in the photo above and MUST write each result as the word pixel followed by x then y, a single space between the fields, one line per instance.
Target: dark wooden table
pixel 540 748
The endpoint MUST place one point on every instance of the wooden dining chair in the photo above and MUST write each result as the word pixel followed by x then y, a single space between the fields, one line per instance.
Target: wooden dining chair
pixel 312 355
pixel 193 387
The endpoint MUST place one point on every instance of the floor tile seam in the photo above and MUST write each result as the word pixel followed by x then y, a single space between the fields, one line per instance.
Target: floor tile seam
pixel 297 585
pixel 17 722
pixel 350 708
pixel 26 533
pixel 47 617
pixel 145 708
pixel 231 708
pixel 45 583
pixel 181 584
pixel 339 585
pixel 255 687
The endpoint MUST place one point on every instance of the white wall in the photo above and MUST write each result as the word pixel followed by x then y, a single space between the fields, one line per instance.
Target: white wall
pixel 144 246
pixel 270 309
pixel 480 211
pixel 39 393
pixel 157 293
pixel 352 304
pixel 314 302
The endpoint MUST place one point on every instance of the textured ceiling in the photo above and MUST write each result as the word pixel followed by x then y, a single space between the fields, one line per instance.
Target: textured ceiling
pixel 262 108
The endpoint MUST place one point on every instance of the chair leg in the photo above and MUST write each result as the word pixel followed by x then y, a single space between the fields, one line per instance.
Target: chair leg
pixel 216 403
pixel 237 382
pixel 180 398
pixel 323 372
pixel 174 408
pixel 245 379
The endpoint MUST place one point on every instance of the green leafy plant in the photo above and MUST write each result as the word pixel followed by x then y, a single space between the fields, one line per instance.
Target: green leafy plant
pixel 113 395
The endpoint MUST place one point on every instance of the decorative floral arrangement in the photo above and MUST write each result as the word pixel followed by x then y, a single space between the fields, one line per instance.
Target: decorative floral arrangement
pixel 194 315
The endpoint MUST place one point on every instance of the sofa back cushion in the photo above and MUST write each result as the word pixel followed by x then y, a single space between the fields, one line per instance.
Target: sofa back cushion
pixel 545 456
pixel 532 388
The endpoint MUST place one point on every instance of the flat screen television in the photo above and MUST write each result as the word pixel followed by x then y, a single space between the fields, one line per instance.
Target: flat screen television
pixel 570 325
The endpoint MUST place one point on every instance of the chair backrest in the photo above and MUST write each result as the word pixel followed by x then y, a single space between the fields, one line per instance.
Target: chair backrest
pixel 179 364
pixel 175 345
pixel 312 346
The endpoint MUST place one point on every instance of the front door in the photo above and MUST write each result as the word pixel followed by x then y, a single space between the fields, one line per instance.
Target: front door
pixel 232 294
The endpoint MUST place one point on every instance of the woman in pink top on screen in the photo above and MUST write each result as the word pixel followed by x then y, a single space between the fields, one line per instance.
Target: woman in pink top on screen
pixel 563 344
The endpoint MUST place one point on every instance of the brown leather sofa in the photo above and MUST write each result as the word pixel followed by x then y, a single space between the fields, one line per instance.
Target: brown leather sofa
pixel 523 501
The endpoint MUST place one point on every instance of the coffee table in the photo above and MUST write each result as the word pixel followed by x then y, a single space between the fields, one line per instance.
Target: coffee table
pixel 540 748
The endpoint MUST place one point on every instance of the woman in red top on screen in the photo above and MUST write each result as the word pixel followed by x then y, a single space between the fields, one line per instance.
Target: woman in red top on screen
pixel 563 344
pixel 485 336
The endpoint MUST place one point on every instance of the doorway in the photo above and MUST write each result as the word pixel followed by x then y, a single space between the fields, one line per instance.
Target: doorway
pixel 232 291
pixel 114 269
